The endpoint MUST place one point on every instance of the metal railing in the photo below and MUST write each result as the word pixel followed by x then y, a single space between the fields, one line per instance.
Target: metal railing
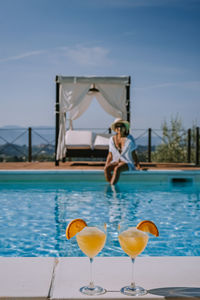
pixel 27 144
pixel 38 144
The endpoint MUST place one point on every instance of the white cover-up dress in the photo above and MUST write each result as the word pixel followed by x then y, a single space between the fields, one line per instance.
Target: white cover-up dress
pixel 126 154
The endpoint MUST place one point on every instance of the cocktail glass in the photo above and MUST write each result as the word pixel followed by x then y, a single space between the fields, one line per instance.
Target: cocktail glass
pixel 133 242
pixel 91 241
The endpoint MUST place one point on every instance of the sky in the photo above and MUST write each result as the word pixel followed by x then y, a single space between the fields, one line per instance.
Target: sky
pixel 156 42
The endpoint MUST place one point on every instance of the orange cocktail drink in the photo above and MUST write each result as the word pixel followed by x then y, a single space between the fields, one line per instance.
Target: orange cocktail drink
pixel 133 241
pixel 91 240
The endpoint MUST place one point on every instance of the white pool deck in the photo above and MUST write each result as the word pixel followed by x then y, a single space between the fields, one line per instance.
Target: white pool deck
pixel 60 278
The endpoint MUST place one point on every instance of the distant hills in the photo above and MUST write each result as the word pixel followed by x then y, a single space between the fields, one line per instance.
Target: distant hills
pixel 19 135
pixel 14 152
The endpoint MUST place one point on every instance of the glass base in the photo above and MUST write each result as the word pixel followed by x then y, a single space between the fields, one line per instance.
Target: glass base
pixel 96 290
pixel 133 291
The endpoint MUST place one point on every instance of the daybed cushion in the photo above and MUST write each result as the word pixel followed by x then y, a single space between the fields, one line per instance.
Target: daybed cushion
pixel 78 139
pixel 102 141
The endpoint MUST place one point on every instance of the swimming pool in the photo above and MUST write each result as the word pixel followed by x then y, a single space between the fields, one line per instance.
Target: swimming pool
pixel 37 205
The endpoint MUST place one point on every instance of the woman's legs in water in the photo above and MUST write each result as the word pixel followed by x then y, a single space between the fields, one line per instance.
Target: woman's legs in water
pixel 108 169
pixel 121 166
pixel 116 168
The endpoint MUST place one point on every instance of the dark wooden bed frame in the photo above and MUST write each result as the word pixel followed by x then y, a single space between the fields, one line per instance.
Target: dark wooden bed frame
pixel 86 153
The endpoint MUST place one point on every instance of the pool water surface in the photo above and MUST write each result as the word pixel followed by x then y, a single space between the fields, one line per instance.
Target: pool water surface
pixel 34 216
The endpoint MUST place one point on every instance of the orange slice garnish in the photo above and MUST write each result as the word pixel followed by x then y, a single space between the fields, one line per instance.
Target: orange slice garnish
pixel 74 227
pixel 148 226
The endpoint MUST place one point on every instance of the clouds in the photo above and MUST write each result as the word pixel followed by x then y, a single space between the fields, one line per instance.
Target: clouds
pixel 186 84
pixel 88 56
pixel 22 56
pixel 80 55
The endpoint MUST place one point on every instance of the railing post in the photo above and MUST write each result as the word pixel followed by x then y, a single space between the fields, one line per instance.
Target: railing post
pixel 128 100
pixel 189 146
pixel 57 119
pixel 197 146
pixel 149 145
pixel 30 144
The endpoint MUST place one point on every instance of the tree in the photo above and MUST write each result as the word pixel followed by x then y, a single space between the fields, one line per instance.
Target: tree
pixel 173 148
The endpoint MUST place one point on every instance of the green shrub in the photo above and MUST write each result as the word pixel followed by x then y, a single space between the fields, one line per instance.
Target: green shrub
pixel 174 145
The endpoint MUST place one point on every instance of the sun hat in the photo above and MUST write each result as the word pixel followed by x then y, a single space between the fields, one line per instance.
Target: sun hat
pixel 120 121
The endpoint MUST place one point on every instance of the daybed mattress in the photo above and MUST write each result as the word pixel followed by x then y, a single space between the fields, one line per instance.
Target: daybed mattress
pixel 78 139
pixel 101 141
pixel 82 139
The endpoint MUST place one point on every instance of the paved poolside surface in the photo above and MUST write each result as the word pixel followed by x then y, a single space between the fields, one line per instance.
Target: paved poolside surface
pixel 61 278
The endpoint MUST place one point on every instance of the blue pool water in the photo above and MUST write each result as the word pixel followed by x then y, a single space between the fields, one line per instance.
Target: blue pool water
pixel 33 216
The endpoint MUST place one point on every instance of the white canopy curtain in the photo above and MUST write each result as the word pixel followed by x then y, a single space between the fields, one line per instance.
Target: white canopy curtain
pixel 75 97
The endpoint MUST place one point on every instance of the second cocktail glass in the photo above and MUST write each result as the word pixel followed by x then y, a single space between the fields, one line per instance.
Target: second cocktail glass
pixel 133 242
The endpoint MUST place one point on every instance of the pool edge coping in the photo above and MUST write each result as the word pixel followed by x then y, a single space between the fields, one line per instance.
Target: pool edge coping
pixel 50 171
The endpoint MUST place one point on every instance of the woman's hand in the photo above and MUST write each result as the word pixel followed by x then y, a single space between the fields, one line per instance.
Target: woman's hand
pixel 138 166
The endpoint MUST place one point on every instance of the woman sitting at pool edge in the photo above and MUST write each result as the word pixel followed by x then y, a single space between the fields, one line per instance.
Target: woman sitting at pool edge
pixel 122 155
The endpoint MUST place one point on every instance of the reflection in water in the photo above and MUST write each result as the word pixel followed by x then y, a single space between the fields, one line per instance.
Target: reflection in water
pixel 121 205
pixel 115 212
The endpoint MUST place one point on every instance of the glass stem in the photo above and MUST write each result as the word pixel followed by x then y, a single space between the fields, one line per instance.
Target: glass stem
pixel 91 285
pixel 132 272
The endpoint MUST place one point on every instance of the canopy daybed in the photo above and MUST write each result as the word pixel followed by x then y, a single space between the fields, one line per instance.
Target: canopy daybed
pixel 73 97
